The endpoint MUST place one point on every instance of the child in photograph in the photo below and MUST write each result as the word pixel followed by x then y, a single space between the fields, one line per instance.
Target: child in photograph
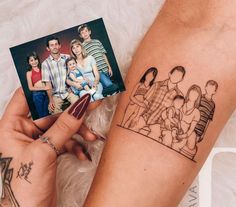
pixel 76 76
pixel 35 84
pixel 172 117
pixel 95 48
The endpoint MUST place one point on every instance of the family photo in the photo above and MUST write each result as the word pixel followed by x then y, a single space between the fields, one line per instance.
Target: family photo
pixel 58 69
pixel 159 110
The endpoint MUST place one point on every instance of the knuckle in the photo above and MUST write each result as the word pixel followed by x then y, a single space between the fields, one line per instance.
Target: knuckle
pixel 43 153
pixel 90 137
pixel 64 126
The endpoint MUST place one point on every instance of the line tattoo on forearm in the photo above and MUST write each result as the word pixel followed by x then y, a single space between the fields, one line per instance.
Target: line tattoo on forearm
pixel 7 197
pixel 160 111
pixel 24 171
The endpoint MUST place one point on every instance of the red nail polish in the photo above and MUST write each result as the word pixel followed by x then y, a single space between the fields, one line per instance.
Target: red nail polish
pixel 79 107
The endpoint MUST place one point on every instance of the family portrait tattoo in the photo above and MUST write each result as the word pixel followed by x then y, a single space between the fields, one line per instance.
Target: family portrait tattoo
pixel 7 197
pixel 160 111
pixel 24 171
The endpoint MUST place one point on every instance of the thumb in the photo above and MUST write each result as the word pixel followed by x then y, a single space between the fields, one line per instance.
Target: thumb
pixel 67 124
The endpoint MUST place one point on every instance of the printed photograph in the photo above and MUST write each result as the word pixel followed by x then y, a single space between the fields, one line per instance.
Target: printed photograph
pixel 57 69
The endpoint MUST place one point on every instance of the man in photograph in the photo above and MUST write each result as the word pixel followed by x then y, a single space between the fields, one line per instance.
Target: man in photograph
pixel 54 73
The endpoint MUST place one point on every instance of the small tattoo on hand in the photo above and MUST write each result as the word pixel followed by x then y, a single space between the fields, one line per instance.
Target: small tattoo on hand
pixel 24 171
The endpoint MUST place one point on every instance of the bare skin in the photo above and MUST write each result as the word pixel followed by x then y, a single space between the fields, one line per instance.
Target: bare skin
pixel 35 187
pixel 139 172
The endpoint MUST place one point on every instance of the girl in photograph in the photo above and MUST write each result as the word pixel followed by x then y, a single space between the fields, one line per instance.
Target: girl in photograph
pixel 35 84
pixel 137 103
pixel 86 64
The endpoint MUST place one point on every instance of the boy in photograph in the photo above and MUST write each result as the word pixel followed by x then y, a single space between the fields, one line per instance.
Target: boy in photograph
pixel 54 74
pixel 95 48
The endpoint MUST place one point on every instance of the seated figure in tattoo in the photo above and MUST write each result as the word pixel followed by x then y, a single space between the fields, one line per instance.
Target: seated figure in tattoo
pixel 137 103
pixel 191 116
pixel 206 108
pixel 171 122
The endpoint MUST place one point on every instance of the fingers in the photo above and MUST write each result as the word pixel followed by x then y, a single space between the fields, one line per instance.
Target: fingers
pixel 18 105
pixel 94 105
pixel 78 149
pixel 85 132
pixel 51 107
pixel 68 123
pixel 45 123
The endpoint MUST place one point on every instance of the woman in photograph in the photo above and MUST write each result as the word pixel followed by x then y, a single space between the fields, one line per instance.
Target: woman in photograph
pixel 86 64
pixel 137 103
pixel 35 84
pixel 190 118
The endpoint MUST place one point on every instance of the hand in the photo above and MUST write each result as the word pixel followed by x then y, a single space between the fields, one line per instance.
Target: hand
pixel 47 87
pixel 87 80
pixel 174 133
pixel 79 80
pixel 110 71
pixel 51 105
pixel 78 86
pixel 182 136
pixel 29 179
pixel 146 103
pixel 95 86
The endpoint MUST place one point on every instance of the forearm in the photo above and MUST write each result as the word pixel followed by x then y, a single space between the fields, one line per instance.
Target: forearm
pixel 136 170
pixel 37 88
pixel 49 91
pixel 105 57
pixel 70 82
pixel 97 76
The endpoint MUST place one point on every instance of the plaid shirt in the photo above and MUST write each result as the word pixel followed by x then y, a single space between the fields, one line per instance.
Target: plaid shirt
pixel 54 71
pixel 160 98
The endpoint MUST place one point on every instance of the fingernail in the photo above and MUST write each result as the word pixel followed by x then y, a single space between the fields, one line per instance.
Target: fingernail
pixel 88 155
pixel 85 151
pixel 79 107
pixel 97 135
pixel 102 138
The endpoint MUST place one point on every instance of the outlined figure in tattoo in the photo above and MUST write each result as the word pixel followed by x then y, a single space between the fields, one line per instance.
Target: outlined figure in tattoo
pixel 7 197
pixel 160 97
pixel 24 171
pixel 207 109
pixel 137 104
pixel 191 116
pixel 159 111
pixel 171 122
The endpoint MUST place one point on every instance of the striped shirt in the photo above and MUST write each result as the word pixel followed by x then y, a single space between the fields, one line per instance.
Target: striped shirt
pixel 96 49
pixel 54 71
pixel 207 109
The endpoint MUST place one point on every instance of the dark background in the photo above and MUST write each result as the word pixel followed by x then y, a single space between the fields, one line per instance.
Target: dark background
pixel 20 52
